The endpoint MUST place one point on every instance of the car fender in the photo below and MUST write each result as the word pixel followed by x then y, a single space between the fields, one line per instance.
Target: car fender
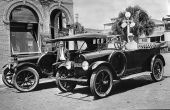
pixel 97 64
pixel 27 64
pixel 6 65
pixel 61 66
pixel 153 59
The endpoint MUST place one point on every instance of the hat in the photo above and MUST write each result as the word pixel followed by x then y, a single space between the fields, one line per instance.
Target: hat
pixel 130 35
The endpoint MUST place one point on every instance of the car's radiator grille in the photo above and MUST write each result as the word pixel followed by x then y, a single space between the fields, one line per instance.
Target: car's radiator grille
pixel 79 72
pixel 78 60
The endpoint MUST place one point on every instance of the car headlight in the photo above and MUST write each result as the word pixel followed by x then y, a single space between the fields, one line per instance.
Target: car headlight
pixel 85 65
pixel 68 65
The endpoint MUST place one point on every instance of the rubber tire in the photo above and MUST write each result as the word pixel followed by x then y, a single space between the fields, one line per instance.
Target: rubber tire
pixel 29 69
pixel 93 81
pixel 162 71
pixel 60 86
pixel 8 84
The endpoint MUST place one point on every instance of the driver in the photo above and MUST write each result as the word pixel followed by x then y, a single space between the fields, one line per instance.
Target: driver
pixel 131 45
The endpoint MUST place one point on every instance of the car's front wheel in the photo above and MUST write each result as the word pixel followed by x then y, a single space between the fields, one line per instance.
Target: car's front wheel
pixel 157 70
pixel 26 79
pixel 7 77
pixel 64 86
pixel 101 82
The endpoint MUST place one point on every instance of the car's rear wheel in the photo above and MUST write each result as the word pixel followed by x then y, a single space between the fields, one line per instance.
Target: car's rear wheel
pixel 7 78
pixel 157 70
pixel 26 79
pixel 64 86
pixel 101 82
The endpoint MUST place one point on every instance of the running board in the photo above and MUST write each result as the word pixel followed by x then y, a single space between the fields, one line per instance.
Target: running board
pixel 73 80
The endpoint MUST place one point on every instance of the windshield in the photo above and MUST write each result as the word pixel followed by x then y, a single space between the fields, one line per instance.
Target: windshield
pixel 81 45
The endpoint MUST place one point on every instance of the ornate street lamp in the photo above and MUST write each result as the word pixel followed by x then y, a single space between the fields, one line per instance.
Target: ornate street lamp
pixel 127 22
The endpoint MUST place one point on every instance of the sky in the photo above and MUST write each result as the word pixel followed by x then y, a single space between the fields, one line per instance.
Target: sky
pixel 95 13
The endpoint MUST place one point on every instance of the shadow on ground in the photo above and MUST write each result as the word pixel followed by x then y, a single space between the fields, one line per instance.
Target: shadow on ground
pixel 46 85
pixel 119 87
pixel 85 93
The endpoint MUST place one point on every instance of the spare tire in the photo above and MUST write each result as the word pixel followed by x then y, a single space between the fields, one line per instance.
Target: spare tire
pixel 118 61
pixel 45 63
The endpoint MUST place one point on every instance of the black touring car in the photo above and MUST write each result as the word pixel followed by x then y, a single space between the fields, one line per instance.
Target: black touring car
pixel 97 60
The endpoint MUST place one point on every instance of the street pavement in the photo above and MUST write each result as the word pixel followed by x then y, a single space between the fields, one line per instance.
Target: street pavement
pixel 134 93
pixel 1 83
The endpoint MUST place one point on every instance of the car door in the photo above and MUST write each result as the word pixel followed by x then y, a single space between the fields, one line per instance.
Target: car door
pixel 130 59
pixel 141 56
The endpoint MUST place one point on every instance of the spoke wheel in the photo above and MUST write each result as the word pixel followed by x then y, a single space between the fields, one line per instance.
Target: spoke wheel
pixel 157 70
pixel 101 82
pixel 64 86
pixel 7 78
pixel 26 80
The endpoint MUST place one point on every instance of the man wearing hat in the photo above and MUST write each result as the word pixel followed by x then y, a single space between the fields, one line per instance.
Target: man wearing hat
pixel 131 45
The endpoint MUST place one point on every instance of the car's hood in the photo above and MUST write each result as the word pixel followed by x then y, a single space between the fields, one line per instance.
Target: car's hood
pixel 97 54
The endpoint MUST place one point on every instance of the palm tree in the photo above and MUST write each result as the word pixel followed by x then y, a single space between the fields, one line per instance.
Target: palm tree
pixel 143 23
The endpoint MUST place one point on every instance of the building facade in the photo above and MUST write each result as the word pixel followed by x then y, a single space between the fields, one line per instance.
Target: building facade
pixel 157 35
pixel 24 24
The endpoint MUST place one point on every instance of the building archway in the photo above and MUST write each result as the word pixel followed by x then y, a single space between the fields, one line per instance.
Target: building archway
pixel 61 16
pixel 58 23
pixel 16 3
pixel 24 24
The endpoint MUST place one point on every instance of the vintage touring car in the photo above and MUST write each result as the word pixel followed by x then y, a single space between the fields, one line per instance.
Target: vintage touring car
pixel 96 62
pixel 24 70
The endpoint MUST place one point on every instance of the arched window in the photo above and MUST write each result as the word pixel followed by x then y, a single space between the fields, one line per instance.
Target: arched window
pixel 24 30
pixel 58 23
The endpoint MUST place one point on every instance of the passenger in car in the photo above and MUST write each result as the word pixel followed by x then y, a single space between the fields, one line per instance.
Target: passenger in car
pixel 131 45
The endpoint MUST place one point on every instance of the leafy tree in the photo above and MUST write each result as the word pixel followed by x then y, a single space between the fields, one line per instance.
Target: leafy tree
pixel 78 28
pixel 143 23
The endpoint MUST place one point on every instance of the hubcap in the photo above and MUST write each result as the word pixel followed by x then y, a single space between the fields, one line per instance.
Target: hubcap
pixel 102 82
pixel 64 84
pixel 157 70
pixel 25 80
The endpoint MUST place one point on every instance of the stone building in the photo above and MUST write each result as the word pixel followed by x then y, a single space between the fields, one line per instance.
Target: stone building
pixel 25 23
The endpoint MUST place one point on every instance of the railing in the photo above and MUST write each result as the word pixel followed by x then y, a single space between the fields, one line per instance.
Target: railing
pixel 162 45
